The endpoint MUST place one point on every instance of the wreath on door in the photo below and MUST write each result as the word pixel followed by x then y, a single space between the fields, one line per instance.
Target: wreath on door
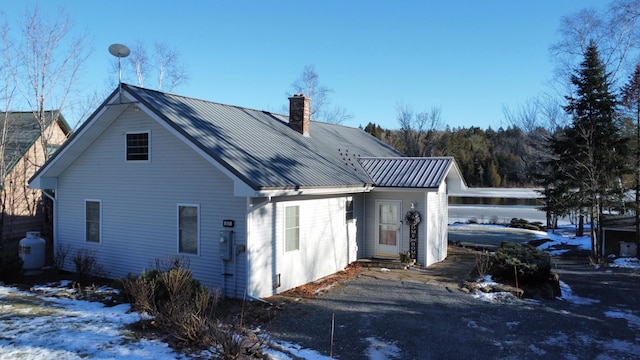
pixel 412 218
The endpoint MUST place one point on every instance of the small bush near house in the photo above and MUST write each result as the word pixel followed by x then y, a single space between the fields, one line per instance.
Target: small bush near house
pixel 483 262
pixel 60 257
pixel 185 310
pixel 86 265
pixel 10 267
pixel 528 266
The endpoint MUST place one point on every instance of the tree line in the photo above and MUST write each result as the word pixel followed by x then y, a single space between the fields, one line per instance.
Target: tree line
pixel 486 158
pixel 586 164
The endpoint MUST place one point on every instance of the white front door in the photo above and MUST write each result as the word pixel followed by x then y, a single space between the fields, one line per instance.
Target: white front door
pixel 388 232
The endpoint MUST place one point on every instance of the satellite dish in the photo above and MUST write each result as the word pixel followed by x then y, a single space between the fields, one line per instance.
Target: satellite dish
pixel 119 50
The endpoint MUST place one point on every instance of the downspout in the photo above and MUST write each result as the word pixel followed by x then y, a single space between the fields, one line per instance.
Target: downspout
pixel 364 225
pixel 55 219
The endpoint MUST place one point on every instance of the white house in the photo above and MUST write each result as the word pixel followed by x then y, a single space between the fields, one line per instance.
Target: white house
pixel 258 202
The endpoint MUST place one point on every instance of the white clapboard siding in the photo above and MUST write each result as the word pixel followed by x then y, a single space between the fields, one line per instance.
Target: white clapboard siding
pixel 436 222
pixel 324 247
pixel 432 231
pixel 139 204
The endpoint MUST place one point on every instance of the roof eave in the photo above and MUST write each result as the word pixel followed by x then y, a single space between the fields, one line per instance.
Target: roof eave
pixel 311 190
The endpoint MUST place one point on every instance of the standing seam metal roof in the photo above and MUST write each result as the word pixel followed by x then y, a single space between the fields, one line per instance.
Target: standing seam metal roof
pixel 261 148
pixel 407 172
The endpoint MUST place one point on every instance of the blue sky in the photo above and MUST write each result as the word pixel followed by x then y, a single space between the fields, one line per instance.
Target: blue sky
pixel 468 58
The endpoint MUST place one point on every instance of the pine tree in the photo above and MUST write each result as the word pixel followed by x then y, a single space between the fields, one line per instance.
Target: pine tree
pixel 631 100
pixel 591 154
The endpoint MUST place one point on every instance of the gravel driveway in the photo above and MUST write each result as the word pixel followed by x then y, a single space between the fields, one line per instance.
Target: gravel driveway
pixel 423 318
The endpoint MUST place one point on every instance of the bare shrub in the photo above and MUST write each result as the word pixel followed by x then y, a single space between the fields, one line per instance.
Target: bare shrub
pixel 86 265
pixel 180 305
pixel 483 262
pixel 233 344
pixel 60 258
pixel 141 291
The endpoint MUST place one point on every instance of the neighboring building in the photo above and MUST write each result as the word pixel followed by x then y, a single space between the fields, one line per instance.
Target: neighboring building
pixel 256 201
pixel 25 150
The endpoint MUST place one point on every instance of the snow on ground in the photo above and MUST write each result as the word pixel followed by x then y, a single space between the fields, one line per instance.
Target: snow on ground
pixel 42 327
pixel 560 241
pixel 36 325
pixel 569 296
pixel 563 237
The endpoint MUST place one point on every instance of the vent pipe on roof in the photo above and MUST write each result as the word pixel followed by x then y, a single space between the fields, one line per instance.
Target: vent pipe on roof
pixel 300 113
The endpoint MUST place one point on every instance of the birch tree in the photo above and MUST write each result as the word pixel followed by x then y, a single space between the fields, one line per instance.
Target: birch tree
pixel 50 63
pixel 164 65
pixel 308 83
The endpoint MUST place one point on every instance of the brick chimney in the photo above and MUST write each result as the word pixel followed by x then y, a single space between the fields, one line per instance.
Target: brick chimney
pixel 300 113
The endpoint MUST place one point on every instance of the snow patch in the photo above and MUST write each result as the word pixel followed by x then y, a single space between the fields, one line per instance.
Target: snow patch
pixel 626 262
pixel 568 296
pixel 380 350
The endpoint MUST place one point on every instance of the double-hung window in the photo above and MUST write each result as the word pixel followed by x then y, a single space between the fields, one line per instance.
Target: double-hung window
pixel 93 220
pixel 188 228
pixel 292 228
pixel 348 211
pixel 138 146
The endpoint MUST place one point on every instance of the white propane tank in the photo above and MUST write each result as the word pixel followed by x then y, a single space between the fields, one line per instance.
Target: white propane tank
pixel 32 251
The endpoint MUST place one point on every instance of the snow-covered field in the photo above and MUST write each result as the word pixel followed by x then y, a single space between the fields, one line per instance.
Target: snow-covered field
pixel 37 325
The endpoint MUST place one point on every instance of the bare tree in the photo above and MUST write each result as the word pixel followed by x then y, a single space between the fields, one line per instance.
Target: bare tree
pixel 171 71
pixel 164 64
pixel 614 30
pixel 40 66
pixel 51 61
pixel 321 109
pixel 417 130
pixel 139 61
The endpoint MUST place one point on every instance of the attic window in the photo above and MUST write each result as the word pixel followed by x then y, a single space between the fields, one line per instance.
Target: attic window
pixel 138 146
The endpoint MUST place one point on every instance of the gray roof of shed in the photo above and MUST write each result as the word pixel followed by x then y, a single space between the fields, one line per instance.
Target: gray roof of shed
pixel 259 146
pixel 407 172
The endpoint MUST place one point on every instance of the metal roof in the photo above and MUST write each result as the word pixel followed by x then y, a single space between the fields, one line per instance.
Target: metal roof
pixel 407 172
pixel 260 149
pixel 259 146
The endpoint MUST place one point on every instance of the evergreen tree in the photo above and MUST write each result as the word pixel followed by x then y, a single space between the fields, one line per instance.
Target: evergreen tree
pixel 590 155
pixel 631 101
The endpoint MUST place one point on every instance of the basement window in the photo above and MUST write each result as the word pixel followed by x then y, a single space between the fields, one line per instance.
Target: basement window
pixel 138 146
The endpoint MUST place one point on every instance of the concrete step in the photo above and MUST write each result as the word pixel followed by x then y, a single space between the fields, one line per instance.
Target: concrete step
pixel 382 263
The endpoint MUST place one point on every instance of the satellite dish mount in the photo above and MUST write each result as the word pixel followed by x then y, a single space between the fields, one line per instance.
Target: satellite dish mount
pixel 120 51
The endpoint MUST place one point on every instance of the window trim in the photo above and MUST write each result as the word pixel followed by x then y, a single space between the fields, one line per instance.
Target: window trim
pixel 126 146
pixel 86 233
pixel 285 228
pixel 178 206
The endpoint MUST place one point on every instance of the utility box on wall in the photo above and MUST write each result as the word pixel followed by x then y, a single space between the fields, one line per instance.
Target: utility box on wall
pixel 226 244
